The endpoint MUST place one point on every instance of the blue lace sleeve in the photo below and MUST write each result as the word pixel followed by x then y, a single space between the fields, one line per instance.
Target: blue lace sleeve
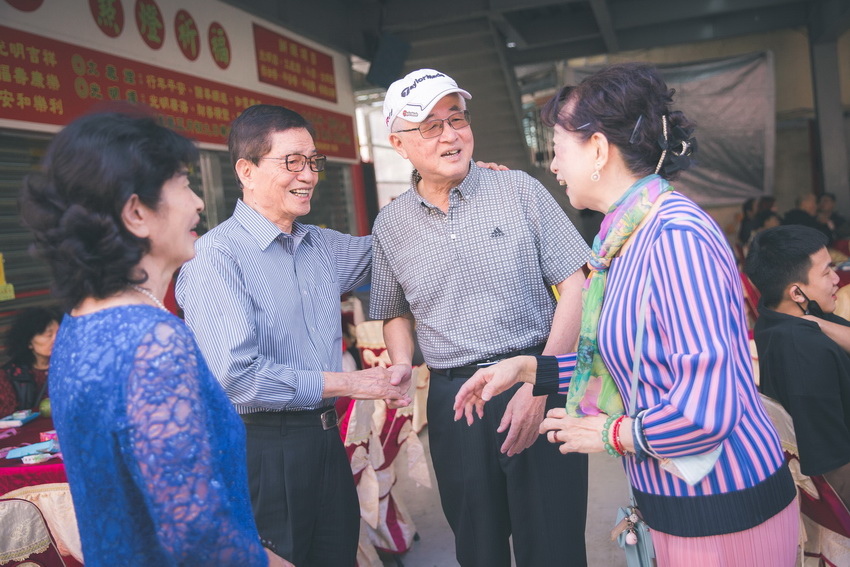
pixel 181 467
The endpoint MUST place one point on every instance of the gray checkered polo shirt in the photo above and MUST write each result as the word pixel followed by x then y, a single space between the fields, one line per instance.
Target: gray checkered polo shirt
pixel 476 279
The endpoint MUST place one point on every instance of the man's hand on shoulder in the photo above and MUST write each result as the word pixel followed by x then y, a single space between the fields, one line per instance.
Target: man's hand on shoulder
pixel 838 333
pixel 523 416
pixel 492 165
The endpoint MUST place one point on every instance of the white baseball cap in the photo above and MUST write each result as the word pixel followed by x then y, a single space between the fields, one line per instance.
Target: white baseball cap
pixel 413 97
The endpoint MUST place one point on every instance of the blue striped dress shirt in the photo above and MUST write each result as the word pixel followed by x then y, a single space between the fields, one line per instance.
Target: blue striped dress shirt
pixel 264 306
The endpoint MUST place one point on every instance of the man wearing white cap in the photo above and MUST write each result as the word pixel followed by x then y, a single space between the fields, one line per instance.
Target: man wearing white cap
pixel 470 256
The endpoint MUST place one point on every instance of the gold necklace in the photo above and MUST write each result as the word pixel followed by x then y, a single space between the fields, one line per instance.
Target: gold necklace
pixel 151 296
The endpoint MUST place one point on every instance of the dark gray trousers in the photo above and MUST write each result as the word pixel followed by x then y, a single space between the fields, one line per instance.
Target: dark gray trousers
pixel 302 492
pixel 539 496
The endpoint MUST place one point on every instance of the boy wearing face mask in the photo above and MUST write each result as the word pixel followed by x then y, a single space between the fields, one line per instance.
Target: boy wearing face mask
pixel 803 347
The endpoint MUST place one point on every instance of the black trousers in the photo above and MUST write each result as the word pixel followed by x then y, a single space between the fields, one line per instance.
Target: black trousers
pixel 539 496
pixel 302 491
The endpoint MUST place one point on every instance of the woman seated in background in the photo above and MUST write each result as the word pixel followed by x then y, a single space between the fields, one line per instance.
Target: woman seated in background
pixel 661 269
pixel 23 380
pixel 763 220
pixel 153 449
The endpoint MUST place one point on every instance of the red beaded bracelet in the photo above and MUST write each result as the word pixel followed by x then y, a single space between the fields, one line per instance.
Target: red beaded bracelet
pixel 615 436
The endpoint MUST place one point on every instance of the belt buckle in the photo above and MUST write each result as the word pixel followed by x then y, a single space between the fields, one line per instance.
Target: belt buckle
pixel 329 419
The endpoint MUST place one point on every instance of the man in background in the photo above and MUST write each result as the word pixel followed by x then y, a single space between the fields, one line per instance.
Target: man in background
pixel 803 347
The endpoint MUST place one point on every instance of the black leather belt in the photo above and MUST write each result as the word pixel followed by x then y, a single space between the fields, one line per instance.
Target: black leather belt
pixel 327 417
pixel 469 369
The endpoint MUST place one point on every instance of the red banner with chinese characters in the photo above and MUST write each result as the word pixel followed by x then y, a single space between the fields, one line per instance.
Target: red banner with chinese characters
pixel 284 62
pixel 51 82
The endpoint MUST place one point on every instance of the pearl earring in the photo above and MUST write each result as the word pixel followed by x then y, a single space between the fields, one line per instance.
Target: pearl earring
pixel 595 175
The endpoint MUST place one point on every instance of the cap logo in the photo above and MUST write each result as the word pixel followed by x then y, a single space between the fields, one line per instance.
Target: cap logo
pixel 409 113
pixel 406 90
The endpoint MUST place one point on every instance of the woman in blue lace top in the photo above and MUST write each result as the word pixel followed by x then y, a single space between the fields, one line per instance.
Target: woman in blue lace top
pixel 154 452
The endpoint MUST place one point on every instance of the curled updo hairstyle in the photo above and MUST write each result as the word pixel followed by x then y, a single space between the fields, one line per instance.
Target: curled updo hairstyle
pixel 626 103
pixel 26 325
pixel 251 133
pixel 73 204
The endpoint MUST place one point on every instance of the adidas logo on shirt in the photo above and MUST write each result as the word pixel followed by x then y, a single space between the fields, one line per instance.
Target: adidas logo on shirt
pixel 496 232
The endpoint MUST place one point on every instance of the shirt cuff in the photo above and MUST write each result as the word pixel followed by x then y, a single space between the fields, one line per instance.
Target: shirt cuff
pixel 546 380
pixel 564 367
pixel 308 394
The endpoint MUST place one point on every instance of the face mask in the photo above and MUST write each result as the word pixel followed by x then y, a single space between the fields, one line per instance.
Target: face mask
pixel 813 307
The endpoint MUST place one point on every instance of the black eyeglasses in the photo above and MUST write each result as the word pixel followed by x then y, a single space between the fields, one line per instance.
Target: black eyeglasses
pixel 433 128
pixel 297 162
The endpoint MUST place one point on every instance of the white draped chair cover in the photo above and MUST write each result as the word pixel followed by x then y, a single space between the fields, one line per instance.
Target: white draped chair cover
pixel 23 533
pixel 54 502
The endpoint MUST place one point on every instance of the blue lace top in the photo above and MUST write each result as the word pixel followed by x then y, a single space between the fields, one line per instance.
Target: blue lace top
pixel 153 449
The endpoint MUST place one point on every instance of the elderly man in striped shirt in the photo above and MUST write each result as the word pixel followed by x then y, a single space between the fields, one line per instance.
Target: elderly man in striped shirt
pixel 262 295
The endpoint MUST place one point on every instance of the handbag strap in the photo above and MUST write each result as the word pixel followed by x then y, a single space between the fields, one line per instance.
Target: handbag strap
pixel 639 345
pixel 640 324
pixel 636 364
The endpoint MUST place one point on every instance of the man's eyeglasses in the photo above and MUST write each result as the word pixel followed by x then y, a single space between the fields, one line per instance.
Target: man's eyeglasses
pixel 433 128
pixel 297 162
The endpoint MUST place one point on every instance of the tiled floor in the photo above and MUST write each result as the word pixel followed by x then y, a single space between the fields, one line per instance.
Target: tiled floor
pixel 435 547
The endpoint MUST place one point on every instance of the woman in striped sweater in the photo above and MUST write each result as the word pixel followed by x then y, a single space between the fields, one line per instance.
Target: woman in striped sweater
pixel 617 143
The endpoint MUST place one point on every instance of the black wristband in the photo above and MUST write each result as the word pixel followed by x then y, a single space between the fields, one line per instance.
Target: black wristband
pixel 268 545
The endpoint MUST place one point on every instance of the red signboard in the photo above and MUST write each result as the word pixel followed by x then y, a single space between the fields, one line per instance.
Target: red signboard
pixel 52 82
pixel 187 35
pixel 150 23
pixel 109 16
pixel 284 62
pixel 26 5
pixel 219 45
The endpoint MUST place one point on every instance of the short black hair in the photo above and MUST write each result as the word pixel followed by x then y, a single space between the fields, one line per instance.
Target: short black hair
pixel 28 323
pixel 73 206
pixel 780 256
pixel 250 133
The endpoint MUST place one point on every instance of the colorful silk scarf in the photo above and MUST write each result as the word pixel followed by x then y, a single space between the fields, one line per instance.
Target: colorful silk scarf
pixel 592 389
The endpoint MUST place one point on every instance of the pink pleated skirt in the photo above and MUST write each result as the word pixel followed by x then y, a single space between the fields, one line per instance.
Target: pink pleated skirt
pixel 771 544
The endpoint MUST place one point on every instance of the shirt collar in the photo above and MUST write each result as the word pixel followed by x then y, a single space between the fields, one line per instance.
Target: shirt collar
pixel 265 231
pixel 465 190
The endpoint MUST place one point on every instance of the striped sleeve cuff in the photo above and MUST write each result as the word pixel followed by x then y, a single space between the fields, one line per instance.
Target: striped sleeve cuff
pixel 642 448
pixel 554 374
pixel 311 384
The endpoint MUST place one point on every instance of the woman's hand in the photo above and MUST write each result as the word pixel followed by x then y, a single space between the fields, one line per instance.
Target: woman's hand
pixel 491 381
pixel 276 560
pixel 576 434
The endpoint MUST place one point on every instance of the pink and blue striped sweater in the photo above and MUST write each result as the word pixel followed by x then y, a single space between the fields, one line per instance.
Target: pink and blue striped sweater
pixel 696 387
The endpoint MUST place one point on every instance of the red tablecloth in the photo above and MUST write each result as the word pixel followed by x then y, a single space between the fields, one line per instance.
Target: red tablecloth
pixel 14 474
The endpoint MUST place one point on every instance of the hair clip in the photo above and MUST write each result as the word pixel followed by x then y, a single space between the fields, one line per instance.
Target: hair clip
pixel 635 129
pixel 664 144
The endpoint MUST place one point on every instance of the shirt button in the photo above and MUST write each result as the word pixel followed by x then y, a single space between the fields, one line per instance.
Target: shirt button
pixel 305 293
pixel 453 236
